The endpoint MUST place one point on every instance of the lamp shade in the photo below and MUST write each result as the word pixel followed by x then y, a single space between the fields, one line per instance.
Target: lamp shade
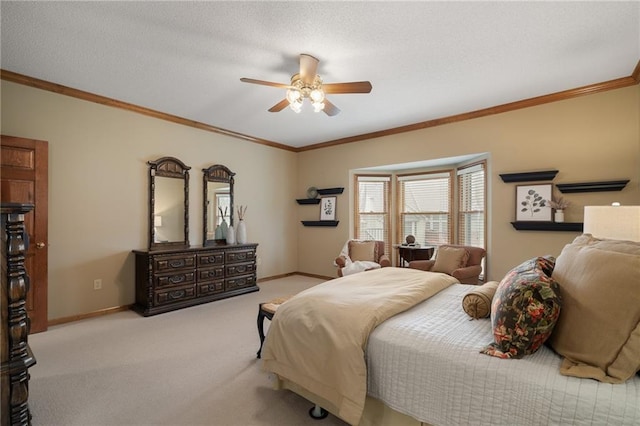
pixel 613 222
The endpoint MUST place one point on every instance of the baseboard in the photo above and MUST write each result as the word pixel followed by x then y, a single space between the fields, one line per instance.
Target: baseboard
pixel 304 274
pixel 275 277
pixel 115 309
pixel 322 277
pixel 79 317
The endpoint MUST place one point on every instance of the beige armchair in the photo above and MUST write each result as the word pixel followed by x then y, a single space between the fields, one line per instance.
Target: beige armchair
pixel 362 251
pixel 461 262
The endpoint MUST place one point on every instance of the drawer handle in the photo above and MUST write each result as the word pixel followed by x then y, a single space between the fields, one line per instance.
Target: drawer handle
pixel 177 294
pixel 176 263
pixel 212 259
pixel 177 279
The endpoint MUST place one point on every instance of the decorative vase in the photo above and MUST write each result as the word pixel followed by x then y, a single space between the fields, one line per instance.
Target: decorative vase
pixel 231 235
pixel 223 229
pixel 559 216
pixel 218 233
pixel 241 232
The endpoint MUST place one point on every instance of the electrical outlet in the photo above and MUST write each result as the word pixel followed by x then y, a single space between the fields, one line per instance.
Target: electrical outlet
pixel 259 261
pixel 97 284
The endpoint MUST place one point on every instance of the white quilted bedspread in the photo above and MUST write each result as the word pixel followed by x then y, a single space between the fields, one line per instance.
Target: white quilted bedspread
pixel 426 363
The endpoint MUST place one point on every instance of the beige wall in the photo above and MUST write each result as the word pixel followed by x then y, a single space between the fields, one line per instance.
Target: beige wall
pixel 98 191
pixel 589 138
pixel 98 182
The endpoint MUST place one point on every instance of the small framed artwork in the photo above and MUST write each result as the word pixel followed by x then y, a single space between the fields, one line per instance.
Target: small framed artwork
pixel 532 202
pixel 328 208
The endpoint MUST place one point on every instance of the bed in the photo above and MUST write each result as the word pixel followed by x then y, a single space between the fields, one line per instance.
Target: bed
pixel 424 366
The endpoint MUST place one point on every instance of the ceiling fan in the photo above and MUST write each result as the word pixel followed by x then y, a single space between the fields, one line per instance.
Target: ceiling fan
pixel 308 84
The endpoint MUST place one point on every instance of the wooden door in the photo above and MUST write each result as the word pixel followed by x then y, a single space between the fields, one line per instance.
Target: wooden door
pixel 24 167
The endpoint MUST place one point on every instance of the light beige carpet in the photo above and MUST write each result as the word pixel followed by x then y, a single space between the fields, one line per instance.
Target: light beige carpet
pixel 196 366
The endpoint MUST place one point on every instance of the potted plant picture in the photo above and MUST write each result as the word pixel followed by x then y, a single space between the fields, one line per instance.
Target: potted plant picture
pixel 532 202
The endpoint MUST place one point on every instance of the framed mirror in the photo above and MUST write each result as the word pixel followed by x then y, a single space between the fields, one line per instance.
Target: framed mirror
pixel 168 203
pixel 217 208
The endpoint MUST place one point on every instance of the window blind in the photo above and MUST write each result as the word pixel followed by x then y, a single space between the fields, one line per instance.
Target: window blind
pixel 472 207
pixel 425 207
pixel 372 209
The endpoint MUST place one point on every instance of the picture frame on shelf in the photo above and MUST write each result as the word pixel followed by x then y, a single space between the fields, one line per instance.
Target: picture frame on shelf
pixel 328 208
pixel 532 203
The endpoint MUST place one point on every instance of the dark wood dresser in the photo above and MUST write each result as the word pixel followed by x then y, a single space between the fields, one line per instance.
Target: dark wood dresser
pixel 172 279
pixel 15 356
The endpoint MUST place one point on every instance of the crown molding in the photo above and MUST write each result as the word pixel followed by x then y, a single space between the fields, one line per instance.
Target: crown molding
pixel 618 83
pixel 103 100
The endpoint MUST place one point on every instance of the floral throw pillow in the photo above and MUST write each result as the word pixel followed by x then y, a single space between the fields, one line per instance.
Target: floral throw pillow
pixel 525 309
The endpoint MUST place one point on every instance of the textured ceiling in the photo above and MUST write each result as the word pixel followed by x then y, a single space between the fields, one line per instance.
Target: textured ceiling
pixel 425 60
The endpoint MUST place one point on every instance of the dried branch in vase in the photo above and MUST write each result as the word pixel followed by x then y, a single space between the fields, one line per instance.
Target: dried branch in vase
pixel 559 204
pixel 242 210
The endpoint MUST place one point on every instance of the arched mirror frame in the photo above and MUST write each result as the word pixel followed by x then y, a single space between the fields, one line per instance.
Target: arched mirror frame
pixel 169 167
pixel 215 173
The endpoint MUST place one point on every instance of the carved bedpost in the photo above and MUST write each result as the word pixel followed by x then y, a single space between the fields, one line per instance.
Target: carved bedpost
pixel 16 354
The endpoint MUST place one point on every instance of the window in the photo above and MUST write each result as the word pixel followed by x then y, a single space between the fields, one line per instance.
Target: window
pixel 223 202
pixel 439 207
pixel 471 205
pixel 425 207
pixel 372 209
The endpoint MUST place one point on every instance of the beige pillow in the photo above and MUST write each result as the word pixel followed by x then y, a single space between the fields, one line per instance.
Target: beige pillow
pixel 477 303
pixel 448 259
pixel 598 331
pixel 362 250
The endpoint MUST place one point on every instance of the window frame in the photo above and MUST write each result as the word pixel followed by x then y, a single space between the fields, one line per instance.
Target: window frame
pixel 387 178
pixel 399 178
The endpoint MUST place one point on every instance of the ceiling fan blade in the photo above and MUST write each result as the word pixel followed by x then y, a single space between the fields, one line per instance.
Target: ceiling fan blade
pixel 308 68
pixel 264 83
pixel 353 87
pixel 279 106
pixel 330 109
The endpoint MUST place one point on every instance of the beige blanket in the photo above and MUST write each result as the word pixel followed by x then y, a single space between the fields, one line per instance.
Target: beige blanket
pixel 318 338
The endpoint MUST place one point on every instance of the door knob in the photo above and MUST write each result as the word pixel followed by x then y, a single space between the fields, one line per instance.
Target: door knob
pixel 39 245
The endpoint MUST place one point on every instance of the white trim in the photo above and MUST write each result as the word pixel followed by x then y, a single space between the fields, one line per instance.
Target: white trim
pixel 424 176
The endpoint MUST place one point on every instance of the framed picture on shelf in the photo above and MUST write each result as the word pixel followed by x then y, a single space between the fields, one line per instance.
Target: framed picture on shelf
pixel 532 202
pixel 328 208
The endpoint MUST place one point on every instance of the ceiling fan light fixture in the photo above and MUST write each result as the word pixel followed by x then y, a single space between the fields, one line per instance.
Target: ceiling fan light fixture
pixel 308 85
pixel 318 106
pixel 296 106
pixel 317 95
pixel 293 95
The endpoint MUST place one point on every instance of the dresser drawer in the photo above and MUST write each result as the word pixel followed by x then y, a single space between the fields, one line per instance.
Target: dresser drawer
pixel 175 295
pixel 239 269
pixel 211 288
pixel 178 278
pixel 171 262
pixel 212 258
pixel 237 256
pixel 210 274
pixel 240 282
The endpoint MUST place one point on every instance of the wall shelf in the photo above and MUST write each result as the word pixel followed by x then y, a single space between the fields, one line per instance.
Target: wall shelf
pixel 325 191
pixel 308 200
pixel 330 191
pixel 548 226
pixel 610 185
pixel 320 222
pixel 528 176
